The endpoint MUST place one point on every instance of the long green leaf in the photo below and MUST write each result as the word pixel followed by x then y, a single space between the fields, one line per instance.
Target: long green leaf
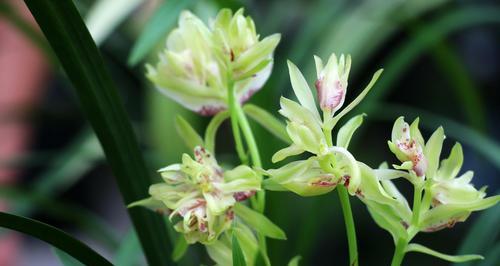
pixel 88 222
pixel 53 236
pixel 458 258
pixel 187 133
pixel 238 257
pixel 158 26
pixel 259 222
pixel 64 29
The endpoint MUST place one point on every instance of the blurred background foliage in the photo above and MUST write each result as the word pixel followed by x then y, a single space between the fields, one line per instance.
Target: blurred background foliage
pixel 441 61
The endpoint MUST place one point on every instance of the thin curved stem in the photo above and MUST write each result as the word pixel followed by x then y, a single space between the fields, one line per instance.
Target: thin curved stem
pixel 418 203
pixel 234 124
pixel 349 225
pixel 253 149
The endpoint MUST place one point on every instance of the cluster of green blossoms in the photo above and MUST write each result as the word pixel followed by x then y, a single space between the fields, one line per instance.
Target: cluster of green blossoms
pixel 442 198
pixel 331 164
pixel 198 68
pixel 200 61
pixel 202 194
pixel 209 68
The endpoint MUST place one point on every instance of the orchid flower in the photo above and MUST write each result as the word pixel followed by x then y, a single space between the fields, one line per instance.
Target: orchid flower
pixel 200 62
pixel 201 194
pixel 447 199
pixel 309 131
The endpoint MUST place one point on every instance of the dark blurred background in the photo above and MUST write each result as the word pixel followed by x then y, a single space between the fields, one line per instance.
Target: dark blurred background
pixel 441 61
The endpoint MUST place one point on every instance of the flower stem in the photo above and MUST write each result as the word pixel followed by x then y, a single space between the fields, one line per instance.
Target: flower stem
pixel 346 211
pixel 238 117
pixel 349 225
pixel 412 230
pixel 234 125
pixel 399 252
pixel 417 200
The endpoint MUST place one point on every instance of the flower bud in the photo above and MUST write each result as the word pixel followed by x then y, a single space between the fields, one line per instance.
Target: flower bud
pixel 318 174
pixel 305 178
pixel 407 144
pixel 331 84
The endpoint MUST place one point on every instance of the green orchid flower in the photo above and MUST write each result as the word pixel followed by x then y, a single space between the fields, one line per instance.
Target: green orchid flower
pixel 448 199
pixel 200 62
pixel 452 197
pixel 441 199
pixel 310 132
pixel 201 194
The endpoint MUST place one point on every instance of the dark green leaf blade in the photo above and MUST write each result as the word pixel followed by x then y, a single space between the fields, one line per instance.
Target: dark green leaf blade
pixel 69 38
pixel 238 258
pixel 53 236
pixel 83 219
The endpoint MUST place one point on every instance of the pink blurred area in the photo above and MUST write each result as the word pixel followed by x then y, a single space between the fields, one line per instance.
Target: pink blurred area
pixel 23 73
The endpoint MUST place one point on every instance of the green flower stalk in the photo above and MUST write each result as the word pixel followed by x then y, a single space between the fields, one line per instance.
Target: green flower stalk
pixel 201 194
pixel 193 69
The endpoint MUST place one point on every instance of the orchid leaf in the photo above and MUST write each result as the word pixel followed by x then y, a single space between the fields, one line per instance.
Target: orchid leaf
pixel 57 238
pixel 259 222
pixel 70 40
pixel 457 258
pixel 187 133
pixel 238 257
pixel 211 131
